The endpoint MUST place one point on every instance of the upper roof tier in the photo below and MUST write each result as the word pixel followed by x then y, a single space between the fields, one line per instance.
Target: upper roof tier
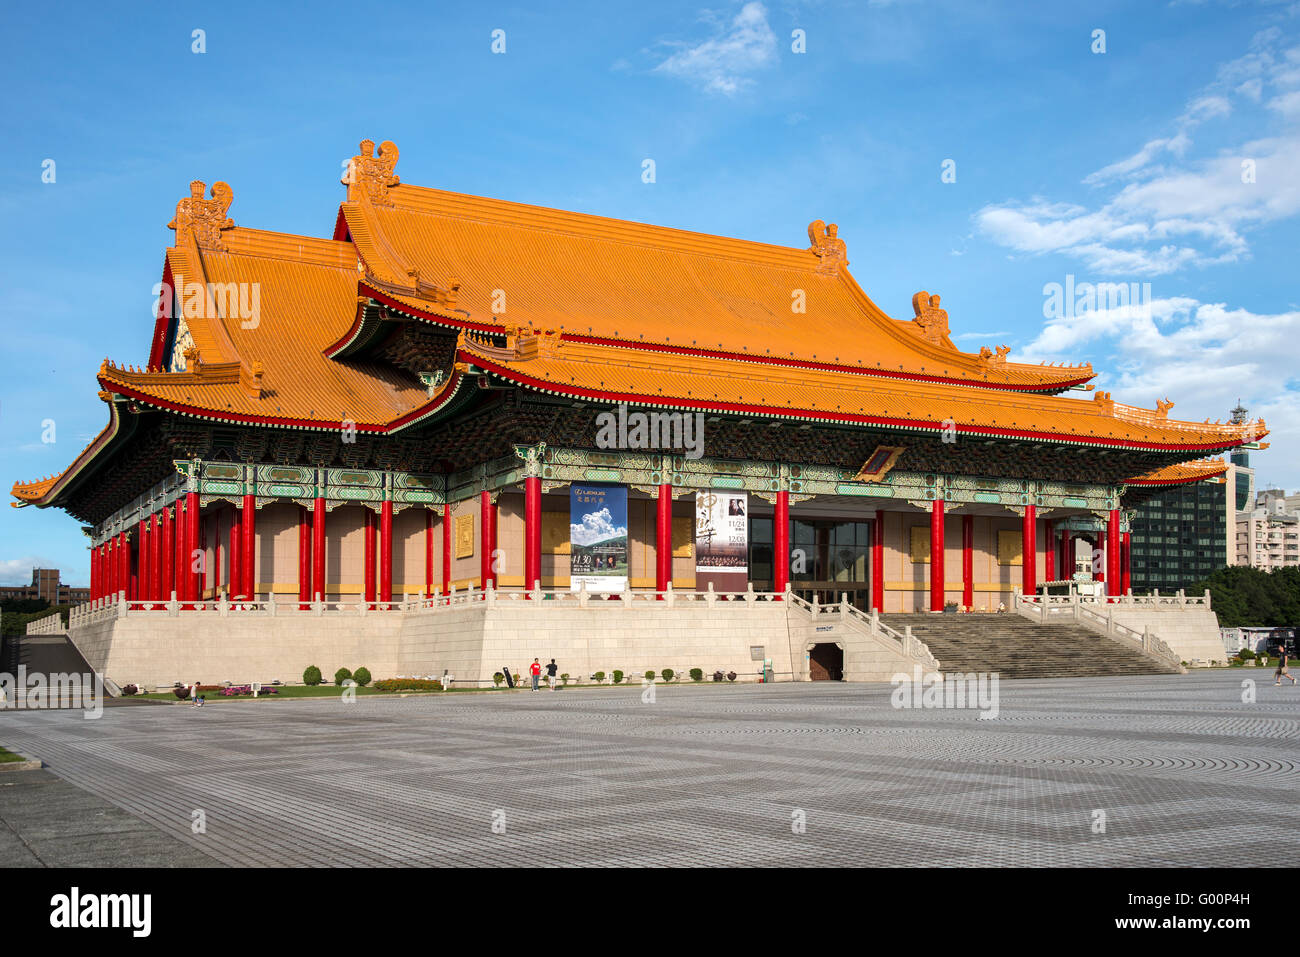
pixel 486 262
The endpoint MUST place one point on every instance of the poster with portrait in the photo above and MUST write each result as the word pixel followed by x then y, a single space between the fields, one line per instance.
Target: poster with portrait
pixel 721 540
pixel 598 537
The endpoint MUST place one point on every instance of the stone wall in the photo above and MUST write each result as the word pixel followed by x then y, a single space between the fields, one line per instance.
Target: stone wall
pixel 1192 632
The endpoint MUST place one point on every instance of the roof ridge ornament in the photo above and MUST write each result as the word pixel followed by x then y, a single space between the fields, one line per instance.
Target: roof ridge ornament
pixel 828 247
pixel 204 218
pixel 990 361
pixel 932 322
pixel 369 176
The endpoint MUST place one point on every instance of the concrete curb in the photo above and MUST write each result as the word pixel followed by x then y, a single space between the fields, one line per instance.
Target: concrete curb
pixel 31 764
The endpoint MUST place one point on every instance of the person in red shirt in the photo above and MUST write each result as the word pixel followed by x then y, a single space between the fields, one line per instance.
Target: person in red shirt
pixel 536 671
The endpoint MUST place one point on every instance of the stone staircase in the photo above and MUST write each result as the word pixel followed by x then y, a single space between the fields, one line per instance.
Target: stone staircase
pixel 1015 647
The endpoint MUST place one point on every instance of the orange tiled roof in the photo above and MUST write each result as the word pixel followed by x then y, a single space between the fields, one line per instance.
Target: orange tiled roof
pixel 582 369
pixel 1182 473
pixel 598 279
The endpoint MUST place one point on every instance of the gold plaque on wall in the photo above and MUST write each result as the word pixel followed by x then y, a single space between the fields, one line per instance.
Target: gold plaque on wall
pixel 1009 547
pixel 555 533
pixel 683 536
pixel 464 536
pixel 920 544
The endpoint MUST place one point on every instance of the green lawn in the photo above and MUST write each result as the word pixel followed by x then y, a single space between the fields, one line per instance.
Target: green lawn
pixel 8 756
pixel 300 691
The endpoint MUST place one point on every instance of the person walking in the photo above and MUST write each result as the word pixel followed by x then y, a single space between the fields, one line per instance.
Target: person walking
pixel 1282 670
pixel 535 669
pixel 551 669
pixel 195 697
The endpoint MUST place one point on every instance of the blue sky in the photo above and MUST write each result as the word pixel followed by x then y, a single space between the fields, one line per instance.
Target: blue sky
pixel 1115 166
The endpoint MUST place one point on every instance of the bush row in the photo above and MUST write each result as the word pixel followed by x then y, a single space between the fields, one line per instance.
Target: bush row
pixel 312 676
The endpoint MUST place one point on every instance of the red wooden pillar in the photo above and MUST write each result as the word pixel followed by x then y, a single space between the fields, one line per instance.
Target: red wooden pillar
pixel 936 555
pixel 304 557
pixel 132 575
pixel 94 569
pixel 446 549
pixel 1125 545
pixel 428 551
pixel 368 560
pixel 236 549
pixel 193 563
pixel 123 565
pixel 532 530
pixel 1049 552
pixel 1067 555
pixel 664 539
pixel 1029 551
pixel 386 551
pixel 248 534
pixel 142 553
pixel 487 519
pixel 967 561
pixel 318 548
pixel 878 561
pixel 1112 553
pixel 781 541
pixel 168 554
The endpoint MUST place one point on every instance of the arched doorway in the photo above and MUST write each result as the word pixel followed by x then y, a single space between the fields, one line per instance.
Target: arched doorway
pixel 826 662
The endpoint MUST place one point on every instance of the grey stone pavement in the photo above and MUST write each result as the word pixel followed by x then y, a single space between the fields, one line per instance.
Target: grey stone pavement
pixel 1186 774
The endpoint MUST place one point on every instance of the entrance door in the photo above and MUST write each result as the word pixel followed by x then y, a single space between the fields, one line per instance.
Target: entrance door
pixel 826 662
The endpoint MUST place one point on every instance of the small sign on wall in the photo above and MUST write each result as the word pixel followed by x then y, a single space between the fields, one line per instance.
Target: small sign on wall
pixel 464 536
pixel 1010 547
pixel 920 544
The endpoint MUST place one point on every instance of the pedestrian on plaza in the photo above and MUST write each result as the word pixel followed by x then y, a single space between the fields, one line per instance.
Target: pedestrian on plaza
pixel 535 669
pixel 550 673
pixel 1282 668
pixel 195 697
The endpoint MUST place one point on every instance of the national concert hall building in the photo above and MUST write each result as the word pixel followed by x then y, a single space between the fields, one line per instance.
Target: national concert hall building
pixel 420 401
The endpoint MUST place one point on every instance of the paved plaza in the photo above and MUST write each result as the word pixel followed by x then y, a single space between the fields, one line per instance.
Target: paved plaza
pixel 1185 773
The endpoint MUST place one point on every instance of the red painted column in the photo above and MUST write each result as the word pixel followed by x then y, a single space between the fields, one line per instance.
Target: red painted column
pixel 248 536
pixel 156 556
pixel 132 568
pixel 94 569
pixel 487 519
pixel 1049 552
pixel 1124 545
pixel 1029 551
pixel 304 557
pixel 664 538
pixel 532 530
pixel 123 565
pixel 368 560
pixel 878 561
pixel 428 551
pixel 1067 555
pixel 318 548
pixel 1112 553
pixel 143 551
pixel 968 561
pixel 168 554
pixel 193 542
pixel 386 552
pixel 781 541
pixel 936 555
pixel 236 549
pixel 446 549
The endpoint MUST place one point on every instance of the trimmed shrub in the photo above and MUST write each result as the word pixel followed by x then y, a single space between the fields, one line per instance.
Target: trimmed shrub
pixel 413 684
pixel 599 676
pixel 667 674
pixel 650 675
pixel 361 676
pixel 182 692
pixel 341 676
pixel 130 691
pixel 1246 654
pixel 565 678
pixel 312 676
pixel 496 679
pixel 697 674
pixel 618 676
pixel 731 676
pixel 718 676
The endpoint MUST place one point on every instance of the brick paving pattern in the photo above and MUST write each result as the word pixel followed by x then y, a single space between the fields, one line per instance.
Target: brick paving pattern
pixel 1186 774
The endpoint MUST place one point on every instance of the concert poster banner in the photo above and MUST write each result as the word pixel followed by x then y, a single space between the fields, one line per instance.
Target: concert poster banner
pixel 721 540
pixel 598 537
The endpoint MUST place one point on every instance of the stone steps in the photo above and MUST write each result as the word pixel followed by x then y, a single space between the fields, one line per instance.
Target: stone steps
pixel 1018 648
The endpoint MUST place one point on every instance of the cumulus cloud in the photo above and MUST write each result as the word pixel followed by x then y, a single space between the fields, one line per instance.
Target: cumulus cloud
pixel 595 527
pixel 1170 210
pixel 723 63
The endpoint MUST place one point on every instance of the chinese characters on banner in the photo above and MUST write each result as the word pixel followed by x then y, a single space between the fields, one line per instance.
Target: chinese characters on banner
pixel 598 537
pixel 721 540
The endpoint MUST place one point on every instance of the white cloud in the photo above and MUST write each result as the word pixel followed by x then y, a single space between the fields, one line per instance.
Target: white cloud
pixel 18 571
pixel 595 527
pixel 721 64
pixel 1173 212
pixel 1203 355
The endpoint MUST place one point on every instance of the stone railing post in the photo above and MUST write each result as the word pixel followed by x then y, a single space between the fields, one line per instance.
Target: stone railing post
pixel 625 596
pixel 537 589
pixel 907 640
pixel 816 604
pixel 668 594
pixel 173 606
pixel 709 596
pixel 749 592
pixel 318 606
pixel 451 594
pixel 583 594
pixel 223 606
pixel 489 593
pixel 270 606
pixel 1207 599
